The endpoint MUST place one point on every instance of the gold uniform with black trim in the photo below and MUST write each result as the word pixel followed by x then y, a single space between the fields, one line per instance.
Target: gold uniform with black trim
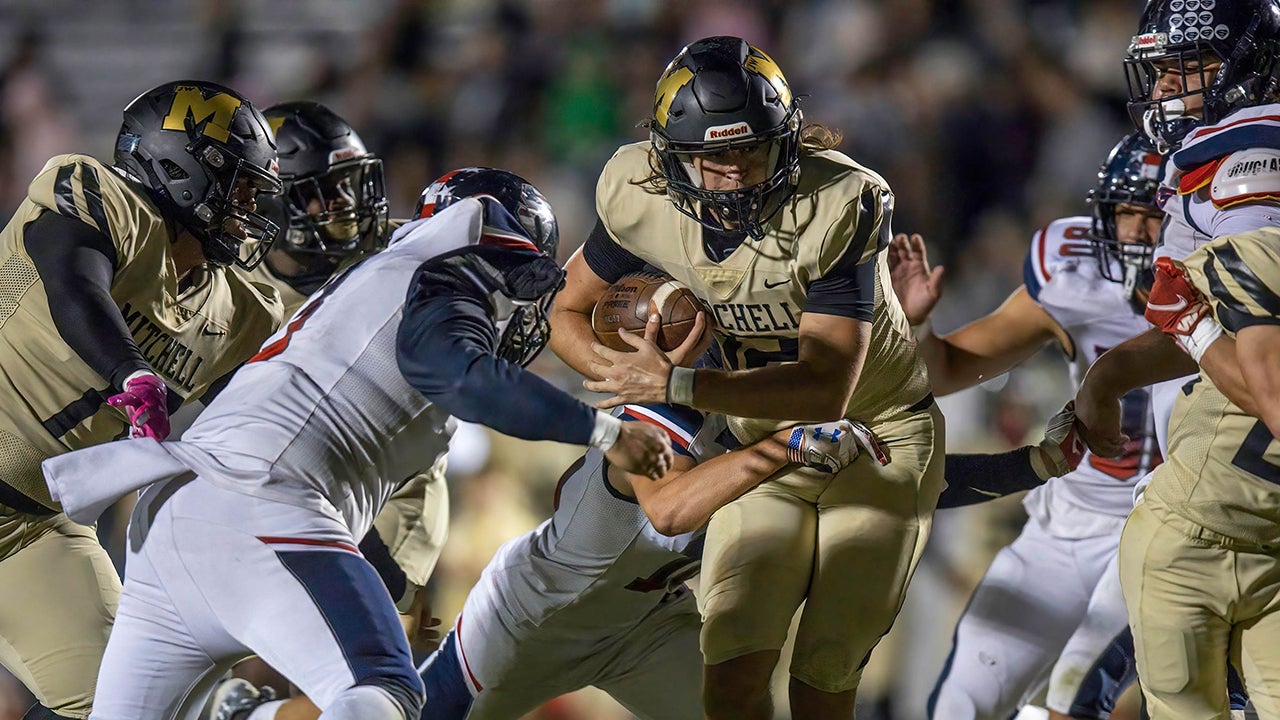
pixel 845 544
pixel 1200 554
pixel 58 588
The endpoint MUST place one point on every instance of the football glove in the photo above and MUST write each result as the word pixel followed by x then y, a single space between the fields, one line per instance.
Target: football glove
pixel 1061 450
pixel 145 401
pixel 1178 309
pixel 830 447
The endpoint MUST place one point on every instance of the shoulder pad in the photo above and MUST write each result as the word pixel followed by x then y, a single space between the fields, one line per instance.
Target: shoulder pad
pixel 1248 128
pixel 1054 245
pixel 1245 176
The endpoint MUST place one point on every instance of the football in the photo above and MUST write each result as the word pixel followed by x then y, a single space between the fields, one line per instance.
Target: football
pixel 629 302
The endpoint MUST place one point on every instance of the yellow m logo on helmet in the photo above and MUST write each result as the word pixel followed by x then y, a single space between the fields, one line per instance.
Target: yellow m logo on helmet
pixel 758 62
pixel 668 86
pixel 217 111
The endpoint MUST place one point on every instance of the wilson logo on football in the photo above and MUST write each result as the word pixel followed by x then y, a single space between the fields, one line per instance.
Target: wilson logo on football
pixel 725 132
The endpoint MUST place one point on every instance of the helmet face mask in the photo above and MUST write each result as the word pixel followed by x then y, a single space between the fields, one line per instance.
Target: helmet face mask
pixel 204 154
pixel 335 201
pixel 527 332
pixel 1130 176
pixel 722 96
pixel 339 212
pixel 1224 51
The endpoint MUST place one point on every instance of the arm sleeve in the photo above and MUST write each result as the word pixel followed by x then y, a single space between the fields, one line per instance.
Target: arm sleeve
pixel 76 263
pixel 606 258
pixel 973 479
pixel 847 288
pixel 446 350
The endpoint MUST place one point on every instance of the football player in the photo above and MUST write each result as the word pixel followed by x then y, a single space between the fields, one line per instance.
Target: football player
pixel 120 298
pixel 596 595
pixel 737 198
pixel 333 212
pixel 243 541
pixel 1012 630
pixel 1198 558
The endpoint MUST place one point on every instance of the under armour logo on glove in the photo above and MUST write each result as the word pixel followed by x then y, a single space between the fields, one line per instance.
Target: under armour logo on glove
pixel 1178 309
pixel 830 447
pixel 145 401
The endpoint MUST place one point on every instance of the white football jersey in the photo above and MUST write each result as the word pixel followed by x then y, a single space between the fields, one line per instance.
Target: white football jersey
pixel 321 417
pixel 597 565
pixel 1062 275
pixel 1202 198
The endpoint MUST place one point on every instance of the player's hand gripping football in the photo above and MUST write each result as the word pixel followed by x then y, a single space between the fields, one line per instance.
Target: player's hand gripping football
pixel 1061 450
pixel 145 401
pixel 1179 310
pixel 917 286
pixel 641 376
pixel 641 449
pixel 832 446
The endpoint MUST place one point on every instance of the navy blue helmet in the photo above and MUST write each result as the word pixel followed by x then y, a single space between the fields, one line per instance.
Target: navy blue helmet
pixel 527 330
pixel 1190 36
pixel 1130 175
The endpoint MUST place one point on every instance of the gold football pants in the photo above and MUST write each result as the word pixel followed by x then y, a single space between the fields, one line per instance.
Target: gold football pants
pixel 846 545
pixel 58 594
pixel 1197 601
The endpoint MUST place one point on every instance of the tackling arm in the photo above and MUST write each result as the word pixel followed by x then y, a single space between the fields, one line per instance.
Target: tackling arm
pixel 684 499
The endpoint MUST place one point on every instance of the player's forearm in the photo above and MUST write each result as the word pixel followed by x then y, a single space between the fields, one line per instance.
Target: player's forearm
pixel 953 368
pixel 689 501
pixel 796 391
pixel 1219 363
pixel 1140 361
pixel 1258 350
pixel 571 338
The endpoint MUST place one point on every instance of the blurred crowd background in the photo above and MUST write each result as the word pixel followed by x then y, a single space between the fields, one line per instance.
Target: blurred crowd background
pixel 988 118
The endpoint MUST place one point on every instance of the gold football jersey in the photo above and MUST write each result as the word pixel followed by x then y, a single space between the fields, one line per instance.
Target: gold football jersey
pixel 757 294
pixel 1223 470
pixel 50 400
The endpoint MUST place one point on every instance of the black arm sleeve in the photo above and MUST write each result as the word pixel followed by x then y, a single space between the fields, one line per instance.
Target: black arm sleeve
pixel 375 550
pixel 606 258
pixel 446 350
pixel 973 479
pixel 848 290
pixel 76 263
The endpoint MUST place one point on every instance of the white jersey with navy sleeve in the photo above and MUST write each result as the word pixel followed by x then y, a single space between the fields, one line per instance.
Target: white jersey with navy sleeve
pixel 598 564
pixel 322 417
pixel 1061 274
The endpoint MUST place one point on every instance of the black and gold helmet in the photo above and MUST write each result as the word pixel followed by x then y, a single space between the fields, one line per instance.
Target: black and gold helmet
pixel 191 143
pixel 334 206
pixel 721 94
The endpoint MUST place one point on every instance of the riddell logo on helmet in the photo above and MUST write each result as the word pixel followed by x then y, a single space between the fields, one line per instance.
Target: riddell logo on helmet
pixel 726 132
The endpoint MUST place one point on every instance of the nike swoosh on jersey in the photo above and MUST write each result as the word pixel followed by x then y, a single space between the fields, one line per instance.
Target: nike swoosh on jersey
pixel 768 284
pixel 212 330
pixel 1174 307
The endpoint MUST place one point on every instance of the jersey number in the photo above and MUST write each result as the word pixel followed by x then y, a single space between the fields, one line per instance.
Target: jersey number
pixel 1251 457
pixel 739 357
